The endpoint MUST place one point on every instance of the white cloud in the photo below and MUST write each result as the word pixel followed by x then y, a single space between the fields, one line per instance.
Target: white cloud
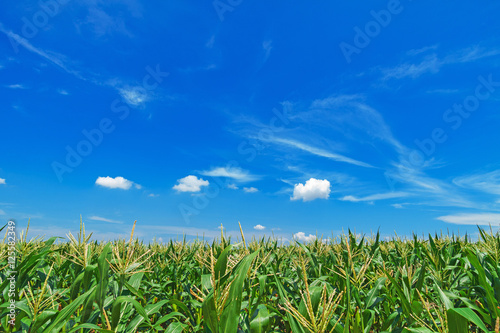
pixel 190 184
pixel 398 206
pixel 424 49
pixel 117 182
pixel 235 173
pixel 429 65
pixel 432 63
pixel 102 219
pixel 232 186
pixel 152 195
pixel 443 91
pixel 267 46
pixel 485 182
pixel 374 197
pixel 2 181
pixel 62 92
pixel 259 227
pixel 16 86
pixel 300 236
pixel 2 212
pixel 313 189
pixel 472 219
pixel 348 113
pixel 319 152
pixel 134 95
pixel 50 56
pixel 250 189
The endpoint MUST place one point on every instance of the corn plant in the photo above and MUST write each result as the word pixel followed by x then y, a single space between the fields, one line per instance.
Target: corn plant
pixel 438 283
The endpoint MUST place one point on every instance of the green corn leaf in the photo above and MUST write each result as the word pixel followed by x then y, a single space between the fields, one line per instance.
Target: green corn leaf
pixel 231 313
pixel 116 312
pixel 462 316
pixel 67 312
pixel 260 321
pixel 102 275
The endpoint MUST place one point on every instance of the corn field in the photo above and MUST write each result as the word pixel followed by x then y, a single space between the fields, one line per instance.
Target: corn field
pixel 348 284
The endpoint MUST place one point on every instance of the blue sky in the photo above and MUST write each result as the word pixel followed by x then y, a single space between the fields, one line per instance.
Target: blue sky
pixel 295 120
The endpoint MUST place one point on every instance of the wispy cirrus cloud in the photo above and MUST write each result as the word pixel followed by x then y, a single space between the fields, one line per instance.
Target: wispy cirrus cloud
pixel 488 182
pixel 102 219
pixel 250 189
pixel 472 219
pixel 134 95
pixel 375 197
pixel 235 173
pixel 433 63
pixel 398 205
pixel 16 86
pixel 52 57
pixel 351 118
pixel 319 152
pixel 349 113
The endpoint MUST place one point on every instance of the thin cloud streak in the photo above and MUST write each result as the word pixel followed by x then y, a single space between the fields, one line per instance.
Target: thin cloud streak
pixel 102 219
pixel 133 95
pixel 472 219
pixel 49 56
pixel 375 197
pixel 433 64
pixel 320 152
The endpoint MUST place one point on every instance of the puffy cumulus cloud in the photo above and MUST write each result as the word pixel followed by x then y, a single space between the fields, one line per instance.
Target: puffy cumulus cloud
pixel 190 184
pixel 250 189
pixel 117 182
pixel 2 181
pixel 259 227
pixel 313 189
pixel 232 186
pixel 472 219
pixel 301 237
